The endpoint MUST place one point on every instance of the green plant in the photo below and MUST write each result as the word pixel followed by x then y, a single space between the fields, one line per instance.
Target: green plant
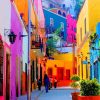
pixel 51 42
pixel 89 87
pixel 75 78
pixel 75 82
pixel 51 45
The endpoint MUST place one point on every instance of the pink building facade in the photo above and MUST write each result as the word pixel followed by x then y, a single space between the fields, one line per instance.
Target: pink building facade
pixel 10 54
pixel 16 55
pixel 71 29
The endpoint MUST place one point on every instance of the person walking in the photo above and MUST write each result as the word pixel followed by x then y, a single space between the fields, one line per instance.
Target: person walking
pixel 46 82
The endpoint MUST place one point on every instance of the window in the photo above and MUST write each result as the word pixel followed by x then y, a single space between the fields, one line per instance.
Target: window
pixel 75 30
pixel 81 34
pixel 51 5
pixel 51 21
pixel 72 28
pixel 74 37
pixel 59 12
pixel 62 26
pixel 64 14
pixel 67 25
pixel 85 25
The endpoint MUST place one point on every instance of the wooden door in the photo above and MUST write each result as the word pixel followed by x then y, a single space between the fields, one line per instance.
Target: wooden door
pixel 60 73
pixel 7 77
pixel 67 74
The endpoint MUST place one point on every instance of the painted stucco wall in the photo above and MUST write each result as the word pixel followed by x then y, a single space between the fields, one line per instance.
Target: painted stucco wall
pixel 82 40
pixel 5 11
pixel 22 7
pixel 25 49
pixel 59 63
pixel 71 29
pixel 16 53
pixel 57 20
pixel 61 60
pixel 94 16
pixel 67 56
pixel 94 61
pixel 89 9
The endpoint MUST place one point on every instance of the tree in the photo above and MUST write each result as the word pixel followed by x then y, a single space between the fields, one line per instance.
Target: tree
pixel 51 42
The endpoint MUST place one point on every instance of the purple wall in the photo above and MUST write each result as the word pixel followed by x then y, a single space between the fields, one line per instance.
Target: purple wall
pixel 16 52
pixel 71 29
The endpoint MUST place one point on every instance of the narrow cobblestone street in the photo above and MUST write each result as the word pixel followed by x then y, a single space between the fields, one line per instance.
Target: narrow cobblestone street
pixel 61 94
pixel 53 94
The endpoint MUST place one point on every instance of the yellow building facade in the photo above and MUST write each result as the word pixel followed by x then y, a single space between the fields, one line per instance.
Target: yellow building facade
pixel 88 18
pixel 60 68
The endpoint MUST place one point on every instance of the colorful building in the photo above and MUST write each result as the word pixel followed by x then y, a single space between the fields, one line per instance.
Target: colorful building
pixel 61 68
pixel 55 21
pixel 71 29
pixel 85 27
pixel 95 54
pixel 59 11
pixel 5 49
pixel 11 52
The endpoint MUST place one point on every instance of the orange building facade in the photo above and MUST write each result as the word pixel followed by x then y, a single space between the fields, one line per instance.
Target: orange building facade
pixel 61 68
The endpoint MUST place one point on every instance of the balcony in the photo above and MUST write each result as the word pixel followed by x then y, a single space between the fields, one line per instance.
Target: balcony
pixel 36 45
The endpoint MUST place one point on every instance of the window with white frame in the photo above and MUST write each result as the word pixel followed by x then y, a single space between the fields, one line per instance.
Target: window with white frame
pixel 51 21
pixel 62 26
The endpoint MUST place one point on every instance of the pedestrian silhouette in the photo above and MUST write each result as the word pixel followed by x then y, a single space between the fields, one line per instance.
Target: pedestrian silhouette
pixel 46 82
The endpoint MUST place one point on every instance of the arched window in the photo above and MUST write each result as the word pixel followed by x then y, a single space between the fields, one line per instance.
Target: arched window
pixel 64 14
pixel 59 12
pixel 51 6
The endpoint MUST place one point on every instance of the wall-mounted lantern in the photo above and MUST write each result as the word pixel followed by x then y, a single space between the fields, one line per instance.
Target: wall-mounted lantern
pixel 11 35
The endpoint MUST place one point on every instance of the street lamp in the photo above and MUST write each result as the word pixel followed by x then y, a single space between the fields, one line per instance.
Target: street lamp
pixel 11 35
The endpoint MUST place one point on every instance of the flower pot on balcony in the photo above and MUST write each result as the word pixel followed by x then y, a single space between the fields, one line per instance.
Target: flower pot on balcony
pixel 75 95
pixel 88 97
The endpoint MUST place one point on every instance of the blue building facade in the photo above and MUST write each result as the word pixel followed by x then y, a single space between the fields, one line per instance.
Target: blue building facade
pixel 55 21
pixel 95 54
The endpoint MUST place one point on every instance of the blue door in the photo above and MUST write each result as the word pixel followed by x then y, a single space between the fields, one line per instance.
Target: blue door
pixel 96 70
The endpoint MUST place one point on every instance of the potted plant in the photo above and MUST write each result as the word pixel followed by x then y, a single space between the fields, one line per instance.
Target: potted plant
pixel 90 90
pixel 75 85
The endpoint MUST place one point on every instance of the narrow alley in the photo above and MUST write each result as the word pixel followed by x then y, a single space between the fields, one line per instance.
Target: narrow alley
pixel 49 49
pixel 63 93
